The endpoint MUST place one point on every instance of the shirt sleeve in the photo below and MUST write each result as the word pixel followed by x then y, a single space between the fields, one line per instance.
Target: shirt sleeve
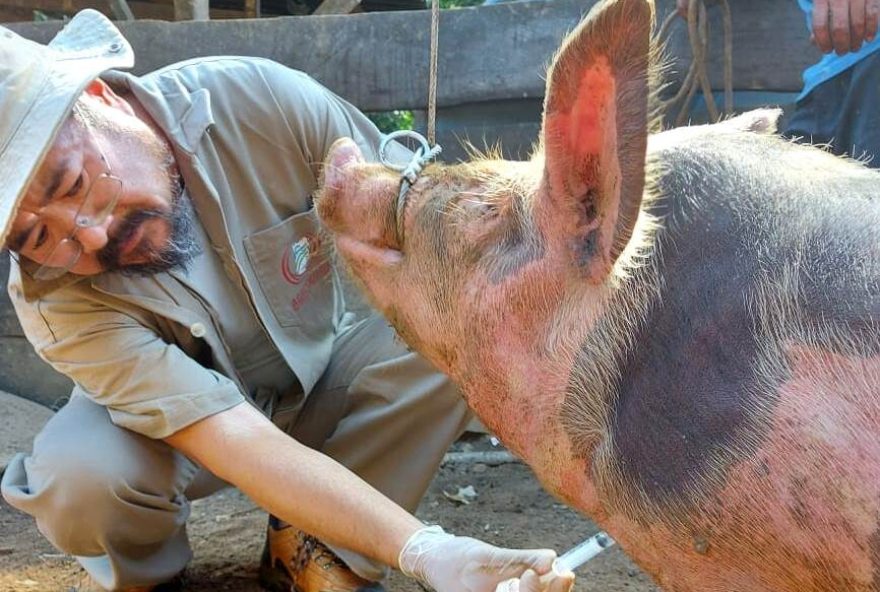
pixel 318 117
pixel 118 358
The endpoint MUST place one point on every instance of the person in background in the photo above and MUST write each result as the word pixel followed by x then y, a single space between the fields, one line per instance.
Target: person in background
pixel 837 106
pixel 165 257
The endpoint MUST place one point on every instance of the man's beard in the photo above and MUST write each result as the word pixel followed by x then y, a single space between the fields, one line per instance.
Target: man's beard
pixel 179 248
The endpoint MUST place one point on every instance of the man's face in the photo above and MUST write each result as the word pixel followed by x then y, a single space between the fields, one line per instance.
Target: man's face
pixel 149 228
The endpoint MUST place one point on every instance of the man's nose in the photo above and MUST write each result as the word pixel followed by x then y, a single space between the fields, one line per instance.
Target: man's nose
pixel 94 238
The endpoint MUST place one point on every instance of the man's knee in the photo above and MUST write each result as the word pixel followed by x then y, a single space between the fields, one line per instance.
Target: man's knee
pixel 81 501
pixel 89 483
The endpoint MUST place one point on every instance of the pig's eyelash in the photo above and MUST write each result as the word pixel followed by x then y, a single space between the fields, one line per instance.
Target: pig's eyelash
pixel 487 208
pixel 484 205
pixel 464 206
pixel 480 199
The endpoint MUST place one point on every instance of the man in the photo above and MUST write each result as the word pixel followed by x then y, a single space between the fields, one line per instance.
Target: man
pixel 166 259
pixel 837 105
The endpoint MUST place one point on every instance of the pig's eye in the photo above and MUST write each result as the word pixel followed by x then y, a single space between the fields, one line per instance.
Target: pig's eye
pixel 488 210
pixel 479 208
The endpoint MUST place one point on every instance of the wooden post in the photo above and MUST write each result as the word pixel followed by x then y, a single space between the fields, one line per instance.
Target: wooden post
pixel 191 10
pixel 252 8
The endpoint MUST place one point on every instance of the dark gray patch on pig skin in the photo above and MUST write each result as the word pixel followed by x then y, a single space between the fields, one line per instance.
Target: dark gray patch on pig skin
pixel 510 255
pixel 519 245
pixel 798 509
pixel 587 248
pixel 833 264
pixel 685 390
pixel 688 404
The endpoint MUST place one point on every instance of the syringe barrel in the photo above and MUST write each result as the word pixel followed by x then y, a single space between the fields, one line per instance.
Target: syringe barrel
pixel 582 553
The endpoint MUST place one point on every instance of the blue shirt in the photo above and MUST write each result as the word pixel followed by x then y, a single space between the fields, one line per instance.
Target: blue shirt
pixel 831 64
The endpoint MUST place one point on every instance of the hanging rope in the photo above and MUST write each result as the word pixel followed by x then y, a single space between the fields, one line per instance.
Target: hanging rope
pixel 432 81
pixel 424 153
pixel 697 77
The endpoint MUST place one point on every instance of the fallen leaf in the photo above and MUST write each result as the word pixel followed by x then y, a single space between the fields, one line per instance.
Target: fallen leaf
pixel 464 495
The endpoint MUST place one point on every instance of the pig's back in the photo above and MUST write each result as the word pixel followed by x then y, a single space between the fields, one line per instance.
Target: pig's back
pixel 747 406
pixel 761 215
pixel 794 226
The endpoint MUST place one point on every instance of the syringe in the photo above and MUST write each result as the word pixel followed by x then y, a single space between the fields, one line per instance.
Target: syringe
pixel 580 554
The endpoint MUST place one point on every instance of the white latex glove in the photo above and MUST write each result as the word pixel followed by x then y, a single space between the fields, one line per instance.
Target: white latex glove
pixel 531 582
pixel 449 563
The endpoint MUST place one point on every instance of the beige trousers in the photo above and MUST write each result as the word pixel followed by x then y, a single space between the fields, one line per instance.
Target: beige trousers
pixel 119 501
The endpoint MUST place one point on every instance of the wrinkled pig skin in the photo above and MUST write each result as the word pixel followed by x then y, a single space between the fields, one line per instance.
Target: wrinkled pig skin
pixel 678 331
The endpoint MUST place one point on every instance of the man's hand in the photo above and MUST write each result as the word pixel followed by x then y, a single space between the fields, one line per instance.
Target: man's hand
pixel 450 563
pixel 843 25
pixel 532 582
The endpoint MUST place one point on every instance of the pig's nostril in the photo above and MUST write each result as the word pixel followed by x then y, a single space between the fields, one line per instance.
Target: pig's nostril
pixel 345 152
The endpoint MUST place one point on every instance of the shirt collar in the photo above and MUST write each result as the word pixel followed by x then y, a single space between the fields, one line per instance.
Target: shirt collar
pixel 33 289
pixel 183 114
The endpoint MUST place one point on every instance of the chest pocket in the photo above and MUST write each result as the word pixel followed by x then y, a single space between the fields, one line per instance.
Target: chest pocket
pixel 293 268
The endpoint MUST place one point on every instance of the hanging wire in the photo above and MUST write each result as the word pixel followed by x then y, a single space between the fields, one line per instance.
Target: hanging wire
pixel 432 81
pixel 697 77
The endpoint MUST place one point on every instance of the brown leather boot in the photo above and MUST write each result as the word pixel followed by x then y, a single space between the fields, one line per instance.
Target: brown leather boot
pixel 296 562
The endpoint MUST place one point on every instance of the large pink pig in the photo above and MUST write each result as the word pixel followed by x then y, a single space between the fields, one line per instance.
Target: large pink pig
pixel 679 332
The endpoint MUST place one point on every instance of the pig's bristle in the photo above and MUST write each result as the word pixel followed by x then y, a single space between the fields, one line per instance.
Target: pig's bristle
pixel 782 321
pixel 476 154
pixel 641 244
pixel 659 64
pixel 585 414
pixel 863 159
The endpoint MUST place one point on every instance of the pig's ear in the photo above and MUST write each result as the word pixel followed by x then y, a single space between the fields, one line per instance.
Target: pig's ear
pixel 595 131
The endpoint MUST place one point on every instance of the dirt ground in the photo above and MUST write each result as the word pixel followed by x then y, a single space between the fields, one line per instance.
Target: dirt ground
pixel 227 530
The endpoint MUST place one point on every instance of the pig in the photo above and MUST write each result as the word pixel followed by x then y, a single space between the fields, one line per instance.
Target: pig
pixel 678 331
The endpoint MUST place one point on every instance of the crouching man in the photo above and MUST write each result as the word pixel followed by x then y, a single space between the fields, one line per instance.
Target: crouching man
pixel 166 258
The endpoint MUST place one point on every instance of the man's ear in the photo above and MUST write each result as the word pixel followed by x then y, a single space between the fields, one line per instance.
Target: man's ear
pixel 100 91
pixel 595 132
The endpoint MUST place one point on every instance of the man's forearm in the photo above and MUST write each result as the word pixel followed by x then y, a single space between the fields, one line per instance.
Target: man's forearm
pixel 297 484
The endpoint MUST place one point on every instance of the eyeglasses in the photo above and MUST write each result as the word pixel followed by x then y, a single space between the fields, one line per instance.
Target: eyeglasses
pixel 101 198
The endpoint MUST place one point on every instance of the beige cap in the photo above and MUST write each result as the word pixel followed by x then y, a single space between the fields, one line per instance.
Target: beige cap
pixel 38 86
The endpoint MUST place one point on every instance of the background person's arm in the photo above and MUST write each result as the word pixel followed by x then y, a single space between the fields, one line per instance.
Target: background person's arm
pixel 838 25
pixel 844 25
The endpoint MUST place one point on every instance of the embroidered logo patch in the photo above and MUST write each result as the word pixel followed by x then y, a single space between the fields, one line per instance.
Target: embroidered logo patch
pixel 295 261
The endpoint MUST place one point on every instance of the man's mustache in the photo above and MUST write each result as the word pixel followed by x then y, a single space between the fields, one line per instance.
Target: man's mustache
pixel 109 255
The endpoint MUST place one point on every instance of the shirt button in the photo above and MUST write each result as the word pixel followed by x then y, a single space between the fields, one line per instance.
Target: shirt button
pixel 198 330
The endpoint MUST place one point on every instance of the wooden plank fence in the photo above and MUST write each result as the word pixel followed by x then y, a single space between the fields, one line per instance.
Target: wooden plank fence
pixel 491 69
pixel 379 60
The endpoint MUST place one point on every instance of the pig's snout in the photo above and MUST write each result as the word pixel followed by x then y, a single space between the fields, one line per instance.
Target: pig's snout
pixel 354 200
pixel 336 177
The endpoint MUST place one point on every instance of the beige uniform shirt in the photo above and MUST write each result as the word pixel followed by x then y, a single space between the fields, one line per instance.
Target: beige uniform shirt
pixel 249 136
